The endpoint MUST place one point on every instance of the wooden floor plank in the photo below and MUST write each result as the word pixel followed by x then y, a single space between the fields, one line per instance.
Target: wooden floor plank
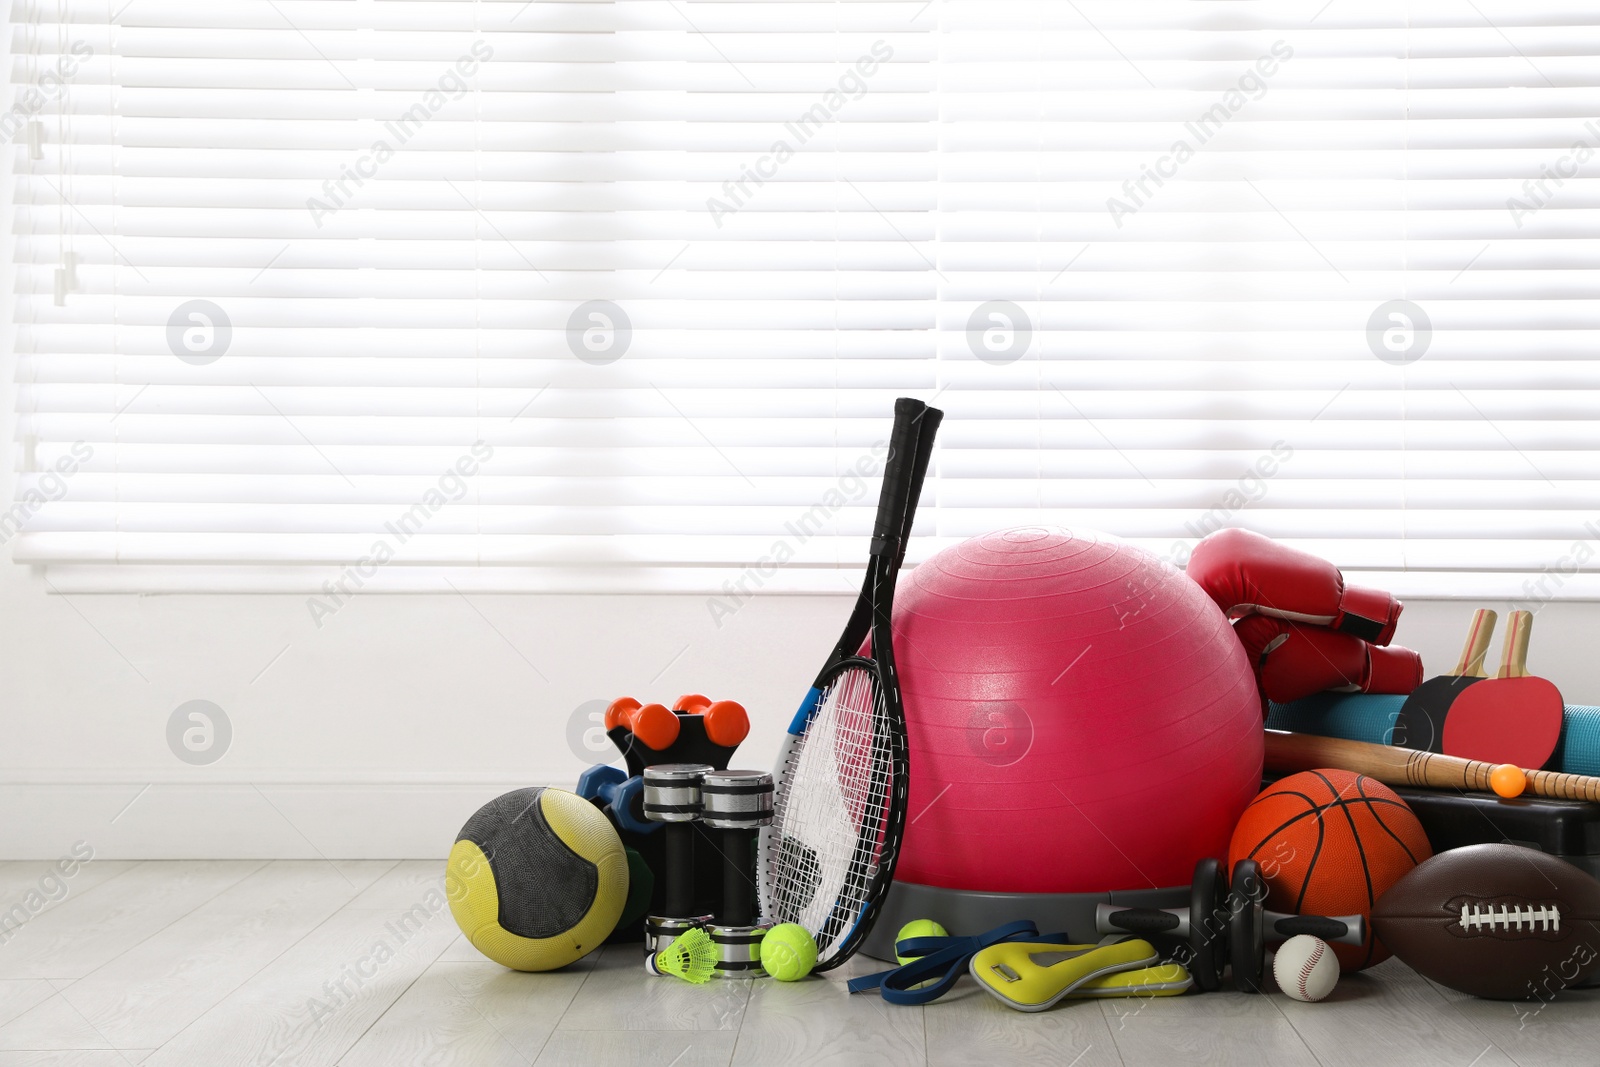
pixel 462 951
pixel 74 1058
pixel 87 931
pixel 967 1026
pixel 818 1021
pixel 30 889
pixel 19 877
pixel 53 1024
pixel 619 995
pixel 1222 1029
pixel 471 1014
pixel 18 995
pixel 1560 1032
pixel 261 965
pixel 312 1003
pixel 147 995
pixel 400 885
pixel 1388 1014
pixel 638 1048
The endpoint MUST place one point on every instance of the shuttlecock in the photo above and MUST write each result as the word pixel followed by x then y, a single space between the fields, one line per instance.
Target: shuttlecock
pixel 691 957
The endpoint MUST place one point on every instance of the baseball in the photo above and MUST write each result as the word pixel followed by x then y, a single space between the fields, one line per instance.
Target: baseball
pixel 1305 967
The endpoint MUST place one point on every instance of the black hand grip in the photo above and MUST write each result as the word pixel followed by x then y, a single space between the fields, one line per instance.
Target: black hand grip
pixel 1144 921
pixel 896 485
pixel 931 418
pixel 1315 925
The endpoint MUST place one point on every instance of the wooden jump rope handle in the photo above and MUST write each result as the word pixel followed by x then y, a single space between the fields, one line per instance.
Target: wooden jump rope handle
pixel 1403 766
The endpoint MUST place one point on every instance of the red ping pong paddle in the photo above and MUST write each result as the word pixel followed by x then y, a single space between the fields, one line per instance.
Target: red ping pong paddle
pixel 1420 724
pixel 1512 717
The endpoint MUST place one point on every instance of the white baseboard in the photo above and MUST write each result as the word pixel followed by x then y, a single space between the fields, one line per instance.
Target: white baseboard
pixel 227 820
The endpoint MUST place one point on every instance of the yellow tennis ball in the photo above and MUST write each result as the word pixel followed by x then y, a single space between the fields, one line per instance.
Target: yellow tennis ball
pixel 788 953
pixel 917 928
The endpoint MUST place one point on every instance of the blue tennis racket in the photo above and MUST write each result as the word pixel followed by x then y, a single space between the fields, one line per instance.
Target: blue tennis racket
pixel 842 775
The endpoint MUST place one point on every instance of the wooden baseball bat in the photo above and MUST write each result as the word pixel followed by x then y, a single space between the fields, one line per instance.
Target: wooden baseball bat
pixel 1403 766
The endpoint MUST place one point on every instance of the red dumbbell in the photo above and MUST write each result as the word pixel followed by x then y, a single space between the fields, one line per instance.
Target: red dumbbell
pixel 617 709
pixel 727 724
pixel 652 725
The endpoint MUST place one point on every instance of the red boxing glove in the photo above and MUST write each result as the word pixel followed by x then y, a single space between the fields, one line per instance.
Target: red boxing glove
pixel 1248 574
pixel 1293 661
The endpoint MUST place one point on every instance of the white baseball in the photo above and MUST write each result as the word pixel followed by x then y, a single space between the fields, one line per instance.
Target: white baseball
pixel 1305 967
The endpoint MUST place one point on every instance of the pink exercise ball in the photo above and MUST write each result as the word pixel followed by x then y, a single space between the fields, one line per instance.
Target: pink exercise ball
pixel 1081 717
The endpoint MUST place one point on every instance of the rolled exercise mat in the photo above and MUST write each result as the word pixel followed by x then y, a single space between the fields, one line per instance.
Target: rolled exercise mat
pixel 1370 717
pixel 1365 717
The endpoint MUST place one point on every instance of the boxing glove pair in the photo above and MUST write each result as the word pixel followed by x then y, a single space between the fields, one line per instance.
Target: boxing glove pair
pixel 1303 628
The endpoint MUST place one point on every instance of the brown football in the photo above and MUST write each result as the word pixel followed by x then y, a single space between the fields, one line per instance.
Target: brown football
pixel 1496 921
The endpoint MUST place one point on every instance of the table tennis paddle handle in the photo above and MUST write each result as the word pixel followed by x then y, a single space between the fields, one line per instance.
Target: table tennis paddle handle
pixel 1514 659
pixel 1477 646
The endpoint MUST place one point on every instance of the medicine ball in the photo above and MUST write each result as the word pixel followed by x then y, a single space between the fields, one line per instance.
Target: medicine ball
pixel 537 879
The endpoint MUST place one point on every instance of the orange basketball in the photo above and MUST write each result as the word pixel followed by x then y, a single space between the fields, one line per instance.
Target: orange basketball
pixel 1330 842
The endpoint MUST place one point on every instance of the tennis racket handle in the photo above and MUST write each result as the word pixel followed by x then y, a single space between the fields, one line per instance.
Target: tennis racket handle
pixel 896 485
pixel 1288 752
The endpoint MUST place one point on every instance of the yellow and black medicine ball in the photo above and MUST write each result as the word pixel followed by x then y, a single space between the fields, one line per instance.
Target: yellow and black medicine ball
pixel 537 879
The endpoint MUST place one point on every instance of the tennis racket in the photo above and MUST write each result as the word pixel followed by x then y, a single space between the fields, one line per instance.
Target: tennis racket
pixel 842 775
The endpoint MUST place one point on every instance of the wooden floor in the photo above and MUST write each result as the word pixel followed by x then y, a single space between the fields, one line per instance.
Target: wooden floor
pixel 206 964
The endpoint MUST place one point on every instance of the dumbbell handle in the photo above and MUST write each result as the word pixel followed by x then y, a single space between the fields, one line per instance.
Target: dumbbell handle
pixel 1344 929
pixel 1112 919
pixel 677 889
pixel 738 878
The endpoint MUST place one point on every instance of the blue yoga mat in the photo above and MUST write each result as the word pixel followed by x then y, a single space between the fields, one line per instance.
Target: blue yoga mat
pixel 1370 717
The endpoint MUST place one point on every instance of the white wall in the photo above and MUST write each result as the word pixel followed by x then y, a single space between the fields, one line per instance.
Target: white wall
pixel 377 735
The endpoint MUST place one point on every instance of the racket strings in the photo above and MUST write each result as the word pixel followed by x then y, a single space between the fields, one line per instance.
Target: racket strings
pixel 831 816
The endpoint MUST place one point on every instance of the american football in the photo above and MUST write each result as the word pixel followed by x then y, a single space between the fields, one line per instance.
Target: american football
pixel 1496 921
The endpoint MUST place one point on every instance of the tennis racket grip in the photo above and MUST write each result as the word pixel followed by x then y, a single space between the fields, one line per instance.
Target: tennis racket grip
pixel 896 481
pixel 927 431
pixel 1403 766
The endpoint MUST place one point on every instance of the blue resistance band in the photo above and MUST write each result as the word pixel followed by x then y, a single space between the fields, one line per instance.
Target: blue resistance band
pixel 943 959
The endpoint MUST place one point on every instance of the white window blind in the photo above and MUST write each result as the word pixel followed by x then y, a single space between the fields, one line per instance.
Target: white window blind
pixel 617 295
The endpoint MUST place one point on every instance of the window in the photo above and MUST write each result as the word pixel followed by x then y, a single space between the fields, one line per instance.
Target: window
pixel 616 296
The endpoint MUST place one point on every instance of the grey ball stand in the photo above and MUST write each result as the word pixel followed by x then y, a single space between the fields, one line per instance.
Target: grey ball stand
pixel 965 912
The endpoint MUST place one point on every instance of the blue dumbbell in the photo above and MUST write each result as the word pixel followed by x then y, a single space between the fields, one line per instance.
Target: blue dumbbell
pixel 624 796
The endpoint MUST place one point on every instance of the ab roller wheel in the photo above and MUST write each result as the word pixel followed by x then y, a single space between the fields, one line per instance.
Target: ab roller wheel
pixel 1247 935
pixel 1223 926
pixel 1208 955
pixel 1251 925
pixel 1191 933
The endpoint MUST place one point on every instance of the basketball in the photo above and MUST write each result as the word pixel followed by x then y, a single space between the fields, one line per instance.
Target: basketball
pixel 1330 842
pixel 537 879
pixel 1080 717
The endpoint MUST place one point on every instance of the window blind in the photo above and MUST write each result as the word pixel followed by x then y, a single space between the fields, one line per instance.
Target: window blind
pixel 616 296
pixel 1323 270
